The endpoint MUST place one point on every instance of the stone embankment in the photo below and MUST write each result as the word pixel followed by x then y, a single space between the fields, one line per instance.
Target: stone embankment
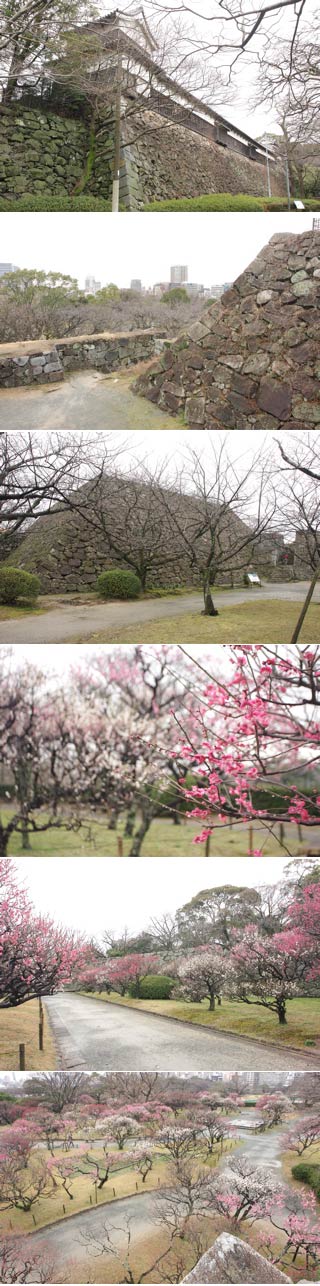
pixel 45 362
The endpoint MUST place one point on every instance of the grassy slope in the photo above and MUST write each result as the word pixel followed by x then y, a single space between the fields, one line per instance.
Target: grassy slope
pixel 163 839
pixel 246 1020
pixel 20 1026
pixel 255 622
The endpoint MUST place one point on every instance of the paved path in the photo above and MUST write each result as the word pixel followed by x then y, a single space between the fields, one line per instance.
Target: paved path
pixel 92 1033
pixel 65 1241
pixel 88 400
pixel 65 623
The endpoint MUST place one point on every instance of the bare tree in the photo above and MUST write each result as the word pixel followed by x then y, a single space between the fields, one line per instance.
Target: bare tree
pixel 300 504
pixel 234 30
pixel 57 1090
pixel 164 931
pixel 289 83
pixel 39 472
pixel 234 505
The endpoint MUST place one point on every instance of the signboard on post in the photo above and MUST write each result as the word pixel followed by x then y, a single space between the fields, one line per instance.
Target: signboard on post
pixel 252 578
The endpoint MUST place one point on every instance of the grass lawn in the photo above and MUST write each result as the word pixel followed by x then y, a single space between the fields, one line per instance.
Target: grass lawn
pixel 303 1018
pixel 256 622
pixel 56 1206
pixel 20 1026
pixel 164 839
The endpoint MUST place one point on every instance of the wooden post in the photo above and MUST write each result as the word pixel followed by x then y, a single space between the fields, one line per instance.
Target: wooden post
pixel 22 1058
pixel 120 845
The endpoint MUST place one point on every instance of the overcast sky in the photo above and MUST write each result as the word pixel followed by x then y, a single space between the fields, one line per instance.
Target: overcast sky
pixel 57 660
pixel 216 247
pixel 92 894
pixel 172 449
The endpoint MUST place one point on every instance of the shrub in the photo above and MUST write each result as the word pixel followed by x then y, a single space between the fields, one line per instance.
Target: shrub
pixel 281 203
pixel 15 584
pixel 305 1172
pixel 214 201
pixel 118 584
pixel 156 987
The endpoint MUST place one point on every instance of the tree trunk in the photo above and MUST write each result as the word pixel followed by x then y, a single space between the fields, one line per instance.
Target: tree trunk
pixel 212 1002
pixel 113 819
pixel 305 606
pixel 131 817
pixel 140 834
pixel 25 836
pixel 209 608
pixel 281 1011
pixel 4 839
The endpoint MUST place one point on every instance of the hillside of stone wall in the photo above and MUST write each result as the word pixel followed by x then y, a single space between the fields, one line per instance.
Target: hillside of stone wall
pixel 253 359
pixel 68 549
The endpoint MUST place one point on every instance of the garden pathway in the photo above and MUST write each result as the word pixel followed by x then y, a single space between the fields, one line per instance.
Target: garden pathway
pixel 68 622
pixel 92 1033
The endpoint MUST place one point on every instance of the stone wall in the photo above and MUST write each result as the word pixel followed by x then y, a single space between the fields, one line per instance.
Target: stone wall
pixel 252 361
pixel 172 161
pixel 41 363
pixel 43 153
pixel 40 153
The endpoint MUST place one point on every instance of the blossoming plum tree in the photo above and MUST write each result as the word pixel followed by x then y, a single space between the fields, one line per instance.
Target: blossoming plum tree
pixel 203 974
pixel 36 955
pixel 256 739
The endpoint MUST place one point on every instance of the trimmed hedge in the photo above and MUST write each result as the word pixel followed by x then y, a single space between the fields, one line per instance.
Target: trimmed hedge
pixel 224 201
pixel 308 1173
pixel 15 584
pixel 154 987
pixel 118 584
